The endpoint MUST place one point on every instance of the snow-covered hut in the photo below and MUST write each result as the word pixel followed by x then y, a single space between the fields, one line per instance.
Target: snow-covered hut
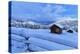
pixel 56 28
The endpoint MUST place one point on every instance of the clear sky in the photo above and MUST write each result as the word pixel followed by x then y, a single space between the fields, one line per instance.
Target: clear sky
pixel 43 11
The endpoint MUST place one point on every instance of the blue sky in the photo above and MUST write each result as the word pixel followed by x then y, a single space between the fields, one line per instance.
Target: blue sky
pixel 43 11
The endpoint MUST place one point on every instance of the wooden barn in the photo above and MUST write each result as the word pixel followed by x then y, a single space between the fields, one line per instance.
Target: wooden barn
pixel 56 29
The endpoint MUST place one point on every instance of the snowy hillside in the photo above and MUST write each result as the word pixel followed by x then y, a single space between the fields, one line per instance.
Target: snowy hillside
pixel 67 24
pixel 31 40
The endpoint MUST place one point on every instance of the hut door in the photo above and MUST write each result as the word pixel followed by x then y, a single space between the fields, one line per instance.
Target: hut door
pixel 57 30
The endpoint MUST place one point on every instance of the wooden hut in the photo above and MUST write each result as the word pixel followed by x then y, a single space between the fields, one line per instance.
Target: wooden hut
pixel 56 29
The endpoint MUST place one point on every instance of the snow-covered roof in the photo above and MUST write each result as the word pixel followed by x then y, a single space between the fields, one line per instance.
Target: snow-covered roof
pixel 61 26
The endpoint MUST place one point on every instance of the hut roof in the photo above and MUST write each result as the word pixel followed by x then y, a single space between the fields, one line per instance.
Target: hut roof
pixel 59 25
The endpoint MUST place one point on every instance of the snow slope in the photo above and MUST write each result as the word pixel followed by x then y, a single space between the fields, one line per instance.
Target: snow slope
pixel 43 40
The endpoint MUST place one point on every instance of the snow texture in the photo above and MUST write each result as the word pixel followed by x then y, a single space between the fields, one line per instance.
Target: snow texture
pixel 31 40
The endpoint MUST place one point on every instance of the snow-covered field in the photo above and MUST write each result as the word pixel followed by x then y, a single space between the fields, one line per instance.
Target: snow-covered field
pixel 30 36
pixel 31 40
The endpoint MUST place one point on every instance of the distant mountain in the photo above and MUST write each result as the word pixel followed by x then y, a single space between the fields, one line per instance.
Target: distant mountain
pixel 28 24
pixel 37 20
